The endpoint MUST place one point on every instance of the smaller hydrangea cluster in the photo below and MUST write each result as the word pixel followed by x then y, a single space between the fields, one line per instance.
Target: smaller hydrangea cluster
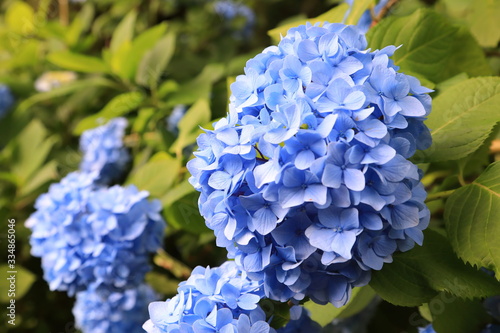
pixel 118 312
pixel 220 299
pixel 174 118
pixel 6 99
pixel 90 236
pixel 307 181
pixel 103 150
pixel 300 322
pixel 231 10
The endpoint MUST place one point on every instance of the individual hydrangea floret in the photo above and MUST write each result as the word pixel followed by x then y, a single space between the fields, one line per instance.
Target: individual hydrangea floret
pixel 94 237
pixel 427 329
pixel 307 181
pixel 103 150
pixel 6 100
pixel 117 312
pixel 220 299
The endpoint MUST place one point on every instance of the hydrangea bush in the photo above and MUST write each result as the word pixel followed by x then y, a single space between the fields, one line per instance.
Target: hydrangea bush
pixel 312 184
pixel 307 181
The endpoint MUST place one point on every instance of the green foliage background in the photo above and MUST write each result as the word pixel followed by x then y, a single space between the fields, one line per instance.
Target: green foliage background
pixel 139 59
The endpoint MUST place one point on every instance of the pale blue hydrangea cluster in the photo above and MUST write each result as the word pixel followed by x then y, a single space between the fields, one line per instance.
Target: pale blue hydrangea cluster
pixel 427 329
pixel 175 117
pixel 307 181
pixel 118 312
pixel 230 10
pixel 6 100
pixel 94 237
pixel 103 150
pixel 300 322
pixel 220 299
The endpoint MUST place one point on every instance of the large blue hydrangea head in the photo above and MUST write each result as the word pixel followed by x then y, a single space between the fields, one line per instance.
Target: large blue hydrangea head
pixel 212 299
pixel 6 100
pixel 94 237
pixel 307 181
pixel 117 312
pixel 103 150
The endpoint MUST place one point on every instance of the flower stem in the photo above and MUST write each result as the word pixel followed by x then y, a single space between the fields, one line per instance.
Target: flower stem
pixel 439 195
pixel 383 12
pixel 64 12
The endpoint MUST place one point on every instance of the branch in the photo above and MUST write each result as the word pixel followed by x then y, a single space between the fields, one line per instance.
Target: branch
pixel 383 12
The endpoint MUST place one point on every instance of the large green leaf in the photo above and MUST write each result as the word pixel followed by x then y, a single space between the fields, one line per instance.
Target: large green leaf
pixel 472 216
pixel 140 45
pixel 334 15
pixel 184 214
pixel 20 18
pixel 483 22
pixel 454 315
pixel 462 118
pixel 77 62
pixel 124 32
pixel 118 106
pixel 324 314
pixel 431 46
pixel 418 275
pixel 154 62
pixel 156 176
pixel 80 24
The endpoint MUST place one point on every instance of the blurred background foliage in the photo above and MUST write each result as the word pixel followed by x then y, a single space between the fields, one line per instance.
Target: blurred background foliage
pixel 166 66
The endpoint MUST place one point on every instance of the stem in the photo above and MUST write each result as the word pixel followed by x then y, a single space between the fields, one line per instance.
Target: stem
pixel 383 12
pixel 439 195
pixel 64 12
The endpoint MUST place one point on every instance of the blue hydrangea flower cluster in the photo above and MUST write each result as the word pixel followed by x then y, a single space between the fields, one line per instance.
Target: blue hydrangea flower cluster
pixel 220 299
pixel 93 237
pixel 307 181
pixel 6 100
pixel 103 150
pixel 230 10
pixel 365 20
pixel 117 312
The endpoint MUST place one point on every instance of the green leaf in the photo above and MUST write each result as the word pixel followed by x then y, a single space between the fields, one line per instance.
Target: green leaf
pixel 176 193
pixel 23 281
pixel 140 45
pixel 462 118
pixel 143 117
pixel 80 24
pixel 161 284
pixel 418 275
pixel 483 21
pixel 31 150
pixel 184 214
pixel 77 62
pixel 118 106
pixel 188 126
pixel 431 46
pixel 324 314
pixel 47 173
pixel 200 87
pixel 157 175
pixel 453 315
pixel 472 216
pixel 123 32
pixel 154 62
pixel 334 15
pixel 20 18
pixel 357 10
